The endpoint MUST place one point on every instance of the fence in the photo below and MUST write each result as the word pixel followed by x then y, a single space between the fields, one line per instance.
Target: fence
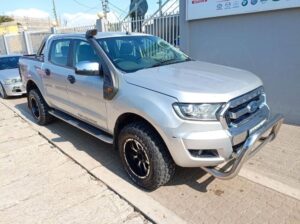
pixel 165 26
pixel 28 42
pixel 81 29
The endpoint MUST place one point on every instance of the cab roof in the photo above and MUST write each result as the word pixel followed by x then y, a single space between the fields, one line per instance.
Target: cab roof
pixel 99 35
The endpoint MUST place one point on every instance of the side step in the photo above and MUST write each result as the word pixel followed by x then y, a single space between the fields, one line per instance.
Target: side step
pixel 103 136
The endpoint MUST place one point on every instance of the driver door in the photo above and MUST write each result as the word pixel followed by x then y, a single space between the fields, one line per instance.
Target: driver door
pixel 86 91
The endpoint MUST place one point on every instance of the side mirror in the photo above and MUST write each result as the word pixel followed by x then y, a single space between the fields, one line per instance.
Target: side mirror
pixel 87 68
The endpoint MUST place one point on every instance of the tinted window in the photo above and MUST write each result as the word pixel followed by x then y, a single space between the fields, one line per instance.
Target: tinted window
pixel 9 63
pixel 132 53
pixel 59 52
pixel 84 52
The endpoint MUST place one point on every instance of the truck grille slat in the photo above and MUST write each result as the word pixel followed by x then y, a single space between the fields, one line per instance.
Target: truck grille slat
pixel 242 108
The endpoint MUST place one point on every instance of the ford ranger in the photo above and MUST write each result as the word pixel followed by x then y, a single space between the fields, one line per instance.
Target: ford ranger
pixel 155 104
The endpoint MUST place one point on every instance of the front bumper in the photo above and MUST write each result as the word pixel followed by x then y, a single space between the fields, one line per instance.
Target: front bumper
pixel 16 89
pixel 229 146
pixel 250 147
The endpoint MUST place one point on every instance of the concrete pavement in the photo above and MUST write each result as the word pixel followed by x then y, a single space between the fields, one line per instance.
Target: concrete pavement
pixel 193 195
pixel 39 184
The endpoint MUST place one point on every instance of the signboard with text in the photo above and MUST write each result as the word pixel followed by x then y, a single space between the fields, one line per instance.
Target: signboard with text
pixel 200 9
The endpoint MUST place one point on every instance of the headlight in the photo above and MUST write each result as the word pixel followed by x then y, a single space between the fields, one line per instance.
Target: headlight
pixel 11 81
pixel 191 111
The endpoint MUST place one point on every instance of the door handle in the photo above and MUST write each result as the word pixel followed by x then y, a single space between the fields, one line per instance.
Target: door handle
pixel 71 79
pixel 47 71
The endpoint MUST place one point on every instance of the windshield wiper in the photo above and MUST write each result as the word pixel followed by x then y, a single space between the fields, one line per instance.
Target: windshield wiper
pixel 166 62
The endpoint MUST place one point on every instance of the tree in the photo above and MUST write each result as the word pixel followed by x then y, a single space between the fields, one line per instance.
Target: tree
pixel 4 19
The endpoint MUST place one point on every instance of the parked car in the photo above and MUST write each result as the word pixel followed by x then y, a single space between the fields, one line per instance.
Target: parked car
pixel 10 79
pixel 154 103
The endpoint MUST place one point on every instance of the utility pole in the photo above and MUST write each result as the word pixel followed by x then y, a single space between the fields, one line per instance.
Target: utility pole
pixel 105 8
pixel 159 7
pixel 54 13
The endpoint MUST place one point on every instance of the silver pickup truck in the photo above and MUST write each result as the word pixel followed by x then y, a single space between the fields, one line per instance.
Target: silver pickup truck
pixel 156 105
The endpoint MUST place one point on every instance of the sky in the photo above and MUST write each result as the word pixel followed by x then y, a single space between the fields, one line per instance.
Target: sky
pixel 71 12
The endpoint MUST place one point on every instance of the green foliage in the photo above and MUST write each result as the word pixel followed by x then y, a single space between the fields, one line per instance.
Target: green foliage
pixel 4 19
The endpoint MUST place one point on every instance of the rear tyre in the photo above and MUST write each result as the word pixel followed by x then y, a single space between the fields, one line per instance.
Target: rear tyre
pixel 144 156
pixel 3 94
pixel 38 107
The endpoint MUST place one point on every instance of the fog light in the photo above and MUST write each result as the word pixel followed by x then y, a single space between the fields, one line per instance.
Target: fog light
pixel 204 153
pixel 196 153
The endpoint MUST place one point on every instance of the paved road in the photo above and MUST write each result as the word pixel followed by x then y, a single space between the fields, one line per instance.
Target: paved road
pixel 39 184
pixel 198 198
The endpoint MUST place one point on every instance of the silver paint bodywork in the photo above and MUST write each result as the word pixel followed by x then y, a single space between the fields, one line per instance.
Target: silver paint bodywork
pixel 15 89
pixel 150 94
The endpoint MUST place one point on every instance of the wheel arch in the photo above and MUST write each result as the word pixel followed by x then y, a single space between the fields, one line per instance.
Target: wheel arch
pixel 127 118
pixel 30 85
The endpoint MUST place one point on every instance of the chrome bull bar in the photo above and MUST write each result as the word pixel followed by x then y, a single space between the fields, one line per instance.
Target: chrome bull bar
pixel 248 150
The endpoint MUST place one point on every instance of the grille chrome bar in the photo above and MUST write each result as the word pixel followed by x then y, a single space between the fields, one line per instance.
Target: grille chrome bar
pixel 250 108
pixel 246 97
pixel 228 113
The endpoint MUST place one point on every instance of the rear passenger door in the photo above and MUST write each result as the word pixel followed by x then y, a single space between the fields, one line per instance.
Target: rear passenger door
pixel 56 70
pixel 86 92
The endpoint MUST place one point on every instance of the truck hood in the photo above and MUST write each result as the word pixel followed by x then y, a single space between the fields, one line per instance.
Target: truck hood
pixel 195 81
pixel 9 74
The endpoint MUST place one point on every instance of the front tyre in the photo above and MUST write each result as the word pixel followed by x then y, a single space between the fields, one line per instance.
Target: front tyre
pixel 38 107
pixel 144 156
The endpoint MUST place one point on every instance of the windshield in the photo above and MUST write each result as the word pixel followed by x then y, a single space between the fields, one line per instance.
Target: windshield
pixel 9 62
pixel 133 53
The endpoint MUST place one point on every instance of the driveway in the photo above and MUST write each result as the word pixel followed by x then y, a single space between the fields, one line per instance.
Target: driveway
pixel 267 190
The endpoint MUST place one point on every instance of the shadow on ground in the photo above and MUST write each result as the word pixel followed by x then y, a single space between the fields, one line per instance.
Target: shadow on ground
pixel 108 157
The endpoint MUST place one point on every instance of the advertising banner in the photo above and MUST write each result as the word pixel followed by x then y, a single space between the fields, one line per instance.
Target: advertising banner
pixel 200 9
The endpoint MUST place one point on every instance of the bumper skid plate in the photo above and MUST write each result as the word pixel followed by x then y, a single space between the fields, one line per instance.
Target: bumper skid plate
pixel 248 149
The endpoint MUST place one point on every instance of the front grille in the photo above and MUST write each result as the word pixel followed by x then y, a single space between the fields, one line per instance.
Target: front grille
pixel 241 109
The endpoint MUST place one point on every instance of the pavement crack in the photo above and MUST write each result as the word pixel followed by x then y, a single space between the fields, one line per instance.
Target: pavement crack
pixel 8 207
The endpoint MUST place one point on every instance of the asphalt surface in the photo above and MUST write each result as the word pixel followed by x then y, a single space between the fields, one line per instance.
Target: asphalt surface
pixel 197 197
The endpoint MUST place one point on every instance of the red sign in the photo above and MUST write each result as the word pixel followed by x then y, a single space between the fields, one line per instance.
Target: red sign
pixel 198 1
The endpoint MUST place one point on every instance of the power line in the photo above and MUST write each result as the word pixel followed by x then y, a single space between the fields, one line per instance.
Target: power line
pixel 121 10
pixel 88 10
pixel 81 4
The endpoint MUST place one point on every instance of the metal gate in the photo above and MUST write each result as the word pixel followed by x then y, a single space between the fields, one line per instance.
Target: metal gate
pixel 166 27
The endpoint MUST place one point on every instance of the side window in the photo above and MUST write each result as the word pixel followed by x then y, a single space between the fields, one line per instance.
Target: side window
pixel 83 51
pixel 59 52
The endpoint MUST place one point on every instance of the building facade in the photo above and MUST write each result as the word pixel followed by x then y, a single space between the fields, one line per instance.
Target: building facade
pixel 266 43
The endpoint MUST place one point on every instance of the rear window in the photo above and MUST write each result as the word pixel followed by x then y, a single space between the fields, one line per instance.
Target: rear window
pixel 9 63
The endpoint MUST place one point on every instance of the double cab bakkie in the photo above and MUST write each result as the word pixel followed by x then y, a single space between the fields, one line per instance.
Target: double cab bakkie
pixel 156 105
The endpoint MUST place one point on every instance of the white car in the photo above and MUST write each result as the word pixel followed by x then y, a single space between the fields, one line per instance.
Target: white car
pixel 10 80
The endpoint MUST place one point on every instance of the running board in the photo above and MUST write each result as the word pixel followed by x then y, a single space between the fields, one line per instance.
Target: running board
pixel 103 136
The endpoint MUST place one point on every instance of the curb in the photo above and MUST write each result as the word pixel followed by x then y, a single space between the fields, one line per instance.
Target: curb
pixel 143 203
pixel 270 183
